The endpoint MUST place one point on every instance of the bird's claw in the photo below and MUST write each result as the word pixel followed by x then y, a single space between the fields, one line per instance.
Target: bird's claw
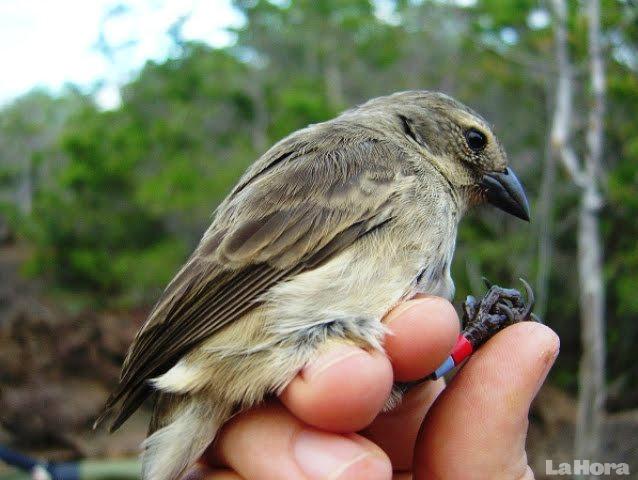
pixel 499 308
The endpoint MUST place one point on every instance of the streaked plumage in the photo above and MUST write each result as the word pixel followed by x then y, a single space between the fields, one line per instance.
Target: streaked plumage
pixel 324 234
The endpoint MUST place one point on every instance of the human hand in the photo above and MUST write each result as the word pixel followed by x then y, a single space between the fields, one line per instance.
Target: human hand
pixel 327 425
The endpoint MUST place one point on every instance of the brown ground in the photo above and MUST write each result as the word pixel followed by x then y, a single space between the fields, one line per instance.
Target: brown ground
pixel 57 368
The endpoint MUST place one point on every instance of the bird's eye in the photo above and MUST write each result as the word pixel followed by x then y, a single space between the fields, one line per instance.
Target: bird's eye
pixel 475 139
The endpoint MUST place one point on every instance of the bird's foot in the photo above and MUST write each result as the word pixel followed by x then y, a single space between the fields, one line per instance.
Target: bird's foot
pixel 483 319
pixel 499 308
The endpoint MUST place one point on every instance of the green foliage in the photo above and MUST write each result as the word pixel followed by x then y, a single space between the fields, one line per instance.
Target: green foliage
pixel 140 182
pixel 119 198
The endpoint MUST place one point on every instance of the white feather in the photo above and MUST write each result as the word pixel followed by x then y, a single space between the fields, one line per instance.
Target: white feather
pixel 169 451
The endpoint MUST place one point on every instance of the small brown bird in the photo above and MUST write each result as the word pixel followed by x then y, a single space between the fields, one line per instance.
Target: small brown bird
pixel 322 236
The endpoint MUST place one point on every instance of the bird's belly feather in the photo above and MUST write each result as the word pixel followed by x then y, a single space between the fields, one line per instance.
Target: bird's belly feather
pixel 345 298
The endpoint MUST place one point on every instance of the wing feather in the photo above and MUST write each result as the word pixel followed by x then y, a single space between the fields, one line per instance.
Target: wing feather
pixel 295 208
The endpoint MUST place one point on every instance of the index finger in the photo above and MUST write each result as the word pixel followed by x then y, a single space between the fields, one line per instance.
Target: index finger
pixel 346 387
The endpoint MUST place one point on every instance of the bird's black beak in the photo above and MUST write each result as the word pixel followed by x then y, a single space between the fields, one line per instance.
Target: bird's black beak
pixel 503 190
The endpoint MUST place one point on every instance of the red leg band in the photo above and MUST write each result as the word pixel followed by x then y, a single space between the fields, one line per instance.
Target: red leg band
pixel 462 349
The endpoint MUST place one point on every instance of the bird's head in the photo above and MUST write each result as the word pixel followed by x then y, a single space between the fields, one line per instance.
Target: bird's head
pixel 461 146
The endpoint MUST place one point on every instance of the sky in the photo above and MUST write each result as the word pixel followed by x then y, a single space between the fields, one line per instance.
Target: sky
pixel 52 43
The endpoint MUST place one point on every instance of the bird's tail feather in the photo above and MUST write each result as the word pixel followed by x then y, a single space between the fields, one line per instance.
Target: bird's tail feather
pixel 193 424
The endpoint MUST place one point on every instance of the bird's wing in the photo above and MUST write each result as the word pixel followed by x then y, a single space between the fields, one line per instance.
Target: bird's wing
pixel 290 212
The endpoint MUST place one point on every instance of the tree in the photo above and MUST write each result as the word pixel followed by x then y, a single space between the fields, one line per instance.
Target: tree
pixel 29 130
pixel 586 175
pixel 120 197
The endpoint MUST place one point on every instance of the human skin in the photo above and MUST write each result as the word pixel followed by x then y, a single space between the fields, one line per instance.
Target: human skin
pixel 327 423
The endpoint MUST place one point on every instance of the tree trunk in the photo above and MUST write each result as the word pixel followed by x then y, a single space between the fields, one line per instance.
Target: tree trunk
pixel 586 175
pixel 259 134
pixel 24 194
pixel 591 402
pixel 591 395
pixel 332 73
pixel 562 123
pixel 546 219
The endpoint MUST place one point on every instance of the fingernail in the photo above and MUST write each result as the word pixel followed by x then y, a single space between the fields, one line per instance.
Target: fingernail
pixel 327 456
pixel 334 355
pixel 401 309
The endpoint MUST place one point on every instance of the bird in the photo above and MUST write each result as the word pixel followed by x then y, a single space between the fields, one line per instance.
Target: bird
pixel 325 233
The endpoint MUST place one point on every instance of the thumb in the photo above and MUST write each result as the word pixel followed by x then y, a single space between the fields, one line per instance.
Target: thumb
pixel 477 427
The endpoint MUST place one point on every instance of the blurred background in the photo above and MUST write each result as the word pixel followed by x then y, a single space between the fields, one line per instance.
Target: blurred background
pixel 124 123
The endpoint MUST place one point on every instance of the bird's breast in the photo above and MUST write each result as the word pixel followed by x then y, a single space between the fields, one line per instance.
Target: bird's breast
pixel 434 279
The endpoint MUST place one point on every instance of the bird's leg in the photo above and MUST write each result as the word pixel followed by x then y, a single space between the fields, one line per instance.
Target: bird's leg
pixel 499 308
pixel 470 307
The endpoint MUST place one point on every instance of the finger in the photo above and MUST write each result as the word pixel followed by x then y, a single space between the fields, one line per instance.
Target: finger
pixel 396 431
pixel 342 390
pixel 270 443
pixel 421 335
pixel 483 412
pixel 221 475
pixel 203 472
pixel 402 476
